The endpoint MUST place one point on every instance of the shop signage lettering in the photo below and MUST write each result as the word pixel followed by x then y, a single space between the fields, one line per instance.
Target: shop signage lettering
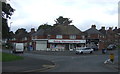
pixel 66 41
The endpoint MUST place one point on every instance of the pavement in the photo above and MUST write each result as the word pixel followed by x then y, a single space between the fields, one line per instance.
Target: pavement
pixel 27 65
pixel 113 66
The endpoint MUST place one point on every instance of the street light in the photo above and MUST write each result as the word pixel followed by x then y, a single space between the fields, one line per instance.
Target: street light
pixel 10 25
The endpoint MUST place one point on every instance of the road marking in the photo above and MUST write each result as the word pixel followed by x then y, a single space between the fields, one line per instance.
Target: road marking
pixel 45 67
pixel 48 66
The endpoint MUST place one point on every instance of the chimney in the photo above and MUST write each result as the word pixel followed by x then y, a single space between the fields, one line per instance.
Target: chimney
pixel 110 28
pixel 115 28
pixel 103 28
pixel 93 26
pixel 32 30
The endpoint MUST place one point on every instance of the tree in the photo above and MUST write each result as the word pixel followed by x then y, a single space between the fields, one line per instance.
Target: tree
pixel 21 30
pixel 44 26
pixel 63 21
pixel 7 12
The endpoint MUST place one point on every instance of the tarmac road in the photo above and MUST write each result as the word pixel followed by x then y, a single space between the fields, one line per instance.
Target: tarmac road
pixel 76 63
pixel 70 62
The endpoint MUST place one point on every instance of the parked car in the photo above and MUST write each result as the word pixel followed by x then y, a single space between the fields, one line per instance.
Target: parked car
pixel 84 50
pixel 95 48
pixel 111 47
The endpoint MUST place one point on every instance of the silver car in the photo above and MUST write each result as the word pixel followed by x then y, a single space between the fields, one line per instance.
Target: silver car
pixel 84 50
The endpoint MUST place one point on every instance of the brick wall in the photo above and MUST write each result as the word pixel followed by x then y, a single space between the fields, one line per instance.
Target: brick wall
pixel 41 37
pixel 78 37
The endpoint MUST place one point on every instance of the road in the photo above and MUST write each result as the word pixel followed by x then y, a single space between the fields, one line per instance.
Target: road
pixel 76 63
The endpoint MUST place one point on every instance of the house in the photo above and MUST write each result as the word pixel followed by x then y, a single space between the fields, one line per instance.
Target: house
pixel 117 36
pixel 94 37
pixel 59 37
pixel 22 36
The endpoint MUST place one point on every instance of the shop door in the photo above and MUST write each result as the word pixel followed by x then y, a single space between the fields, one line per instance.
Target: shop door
pixel 41 45
pixel 67 47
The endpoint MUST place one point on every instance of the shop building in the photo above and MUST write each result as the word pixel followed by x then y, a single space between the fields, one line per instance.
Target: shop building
pixel 60 37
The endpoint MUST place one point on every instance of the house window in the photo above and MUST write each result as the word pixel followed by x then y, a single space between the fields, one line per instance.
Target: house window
pixel 59 36
pixel 103 36
pixel 34 37
pixel 88 36
pixel 72 36
pixel 25 38
pixel 48 36
pixel 83 37
pixel 13 39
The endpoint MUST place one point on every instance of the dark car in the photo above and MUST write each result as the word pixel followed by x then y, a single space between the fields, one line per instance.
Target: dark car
pixel 111 47
pixel 95 48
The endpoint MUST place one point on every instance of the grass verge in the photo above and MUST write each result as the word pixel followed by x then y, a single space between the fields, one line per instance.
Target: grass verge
pixel 5 57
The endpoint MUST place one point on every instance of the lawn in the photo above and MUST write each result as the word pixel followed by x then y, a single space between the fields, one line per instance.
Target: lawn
pixel 5 57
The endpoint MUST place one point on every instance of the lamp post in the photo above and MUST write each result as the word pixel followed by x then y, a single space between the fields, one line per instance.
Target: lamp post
pixel 106 36
pixel 10 25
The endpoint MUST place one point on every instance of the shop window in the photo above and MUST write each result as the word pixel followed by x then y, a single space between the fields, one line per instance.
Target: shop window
pixel 59 36
pixel 72 36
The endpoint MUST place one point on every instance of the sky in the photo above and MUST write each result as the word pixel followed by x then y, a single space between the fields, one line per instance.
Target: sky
pixel 84 13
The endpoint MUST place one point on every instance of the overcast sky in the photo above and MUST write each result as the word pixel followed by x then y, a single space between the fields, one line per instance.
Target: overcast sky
pixel 32 13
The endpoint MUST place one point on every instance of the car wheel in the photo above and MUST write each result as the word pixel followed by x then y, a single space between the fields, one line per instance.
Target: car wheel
pixel 76 53
pixel 91 52
pixel 81 52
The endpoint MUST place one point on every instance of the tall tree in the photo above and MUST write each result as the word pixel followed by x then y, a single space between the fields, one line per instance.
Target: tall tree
pixel 21 30
pixel 44 26
pixel 62 21
pixel 7 12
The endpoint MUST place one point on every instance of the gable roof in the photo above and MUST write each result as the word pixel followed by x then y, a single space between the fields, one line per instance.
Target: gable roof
pixel 39 32
pixel 59 30
pixel 65 30
pixel 103 31
pixel 21 35
pixel 93 31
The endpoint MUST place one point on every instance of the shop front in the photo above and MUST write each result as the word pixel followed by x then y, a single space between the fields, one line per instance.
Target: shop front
pixel 61 45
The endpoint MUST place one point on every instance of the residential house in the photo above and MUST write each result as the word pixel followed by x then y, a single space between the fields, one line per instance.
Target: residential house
pixel 117 36
pixel 94 37
pixel 21 37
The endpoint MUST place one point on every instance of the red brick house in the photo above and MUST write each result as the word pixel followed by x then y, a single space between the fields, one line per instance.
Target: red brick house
pixel 94 37
pixel 22 36
pixel 111 36
pixel 60 37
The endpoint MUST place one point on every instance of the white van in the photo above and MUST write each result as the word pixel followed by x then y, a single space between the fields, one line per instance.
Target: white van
pixel 18 47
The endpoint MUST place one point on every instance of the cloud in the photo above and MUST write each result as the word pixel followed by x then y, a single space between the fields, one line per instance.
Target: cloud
pixel 36 12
